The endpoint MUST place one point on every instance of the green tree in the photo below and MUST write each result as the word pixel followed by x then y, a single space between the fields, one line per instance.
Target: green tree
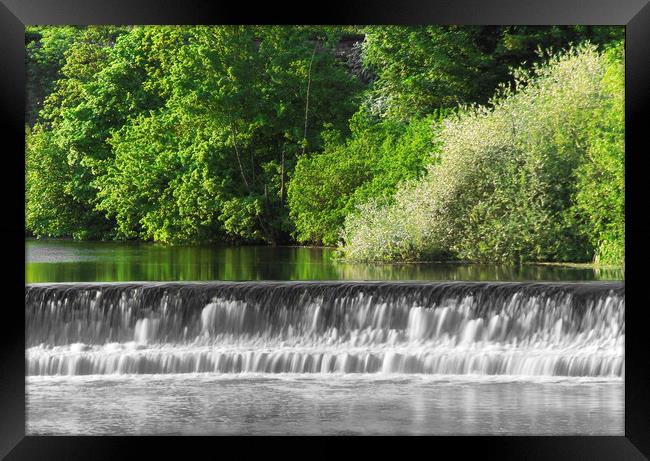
pixel 507 188
pixel 326 187
pixel 45 54
pixel 420 69
pixel 70 137
pixel 601 179
pixel 245 102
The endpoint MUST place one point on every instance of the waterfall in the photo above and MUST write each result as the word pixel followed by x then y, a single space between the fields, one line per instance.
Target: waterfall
pixel 454 328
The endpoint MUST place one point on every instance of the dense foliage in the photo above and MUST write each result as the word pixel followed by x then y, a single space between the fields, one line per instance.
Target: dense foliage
pixel 369 137
pixel 536 176
pixel 601 179
pixel 369 164
pixel 185 133
pixel 421 69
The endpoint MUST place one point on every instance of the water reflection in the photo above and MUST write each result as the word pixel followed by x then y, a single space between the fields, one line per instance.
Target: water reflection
pixel 69 261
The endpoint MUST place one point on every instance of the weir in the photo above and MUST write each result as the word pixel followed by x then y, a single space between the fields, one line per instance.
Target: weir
pixel 447 328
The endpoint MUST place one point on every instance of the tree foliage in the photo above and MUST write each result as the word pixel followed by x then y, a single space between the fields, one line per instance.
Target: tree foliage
pixel 369 164
pixel 188 133
pixel 601 178
pixel 401 143
pixel 512 183
pixel 421 69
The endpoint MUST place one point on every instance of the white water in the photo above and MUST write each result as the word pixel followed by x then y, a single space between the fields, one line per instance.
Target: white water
pixel 533 330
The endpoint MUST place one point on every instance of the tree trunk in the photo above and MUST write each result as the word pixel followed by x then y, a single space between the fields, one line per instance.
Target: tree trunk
pixel 241 167
pixel 282 180
pixel 311 61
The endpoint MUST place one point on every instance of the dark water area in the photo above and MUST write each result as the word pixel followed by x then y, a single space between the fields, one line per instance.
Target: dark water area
pixel 70 261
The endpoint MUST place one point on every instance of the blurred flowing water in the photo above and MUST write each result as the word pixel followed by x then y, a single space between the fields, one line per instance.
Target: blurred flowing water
pixel 325 357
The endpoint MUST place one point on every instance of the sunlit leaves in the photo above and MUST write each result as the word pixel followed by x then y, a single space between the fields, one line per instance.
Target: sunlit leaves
pixel 325 188
pixel 185 133
pixel 518 181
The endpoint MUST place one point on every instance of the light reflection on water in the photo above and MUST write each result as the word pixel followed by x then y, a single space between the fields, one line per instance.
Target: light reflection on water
pixel 70 261
pixel 299 404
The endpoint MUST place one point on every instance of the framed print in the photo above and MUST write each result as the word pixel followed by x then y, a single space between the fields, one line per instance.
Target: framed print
pixel 376 219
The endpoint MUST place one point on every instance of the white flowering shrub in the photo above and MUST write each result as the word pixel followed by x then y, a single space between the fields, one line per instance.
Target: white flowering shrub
pixel 507 186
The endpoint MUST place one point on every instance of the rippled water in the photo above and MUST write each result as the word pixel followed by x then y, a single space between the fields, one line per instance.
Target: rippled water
pixel 298 404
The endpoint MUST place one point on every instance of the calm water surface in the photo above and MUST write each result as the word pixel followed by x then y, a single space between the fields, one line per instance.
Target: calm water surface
pixel 334 405
pixel 69 261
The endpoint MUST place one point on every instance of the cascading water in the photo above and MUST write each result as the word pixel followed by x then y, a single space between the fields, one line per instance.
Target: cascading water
pixel 456 328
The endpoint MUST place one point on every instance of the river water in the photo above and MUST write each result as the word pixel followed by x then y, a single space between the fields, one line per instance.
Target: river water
pixel 211 404
pixel 315 357
pixel 70 261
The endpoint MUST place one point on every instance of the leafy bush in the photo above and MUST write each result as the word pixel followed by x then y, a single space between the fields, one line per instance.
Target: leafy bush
pixel 507 187
pixel 370 164
pixel 601 179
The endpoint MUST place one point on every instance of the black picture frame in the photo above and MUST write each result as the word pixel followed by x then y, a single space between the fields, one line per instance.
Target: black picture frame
pixel 14 14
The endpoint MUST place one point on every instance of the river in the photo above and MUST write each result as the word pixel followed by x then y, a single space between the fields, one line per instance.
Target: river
pixel 253 340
